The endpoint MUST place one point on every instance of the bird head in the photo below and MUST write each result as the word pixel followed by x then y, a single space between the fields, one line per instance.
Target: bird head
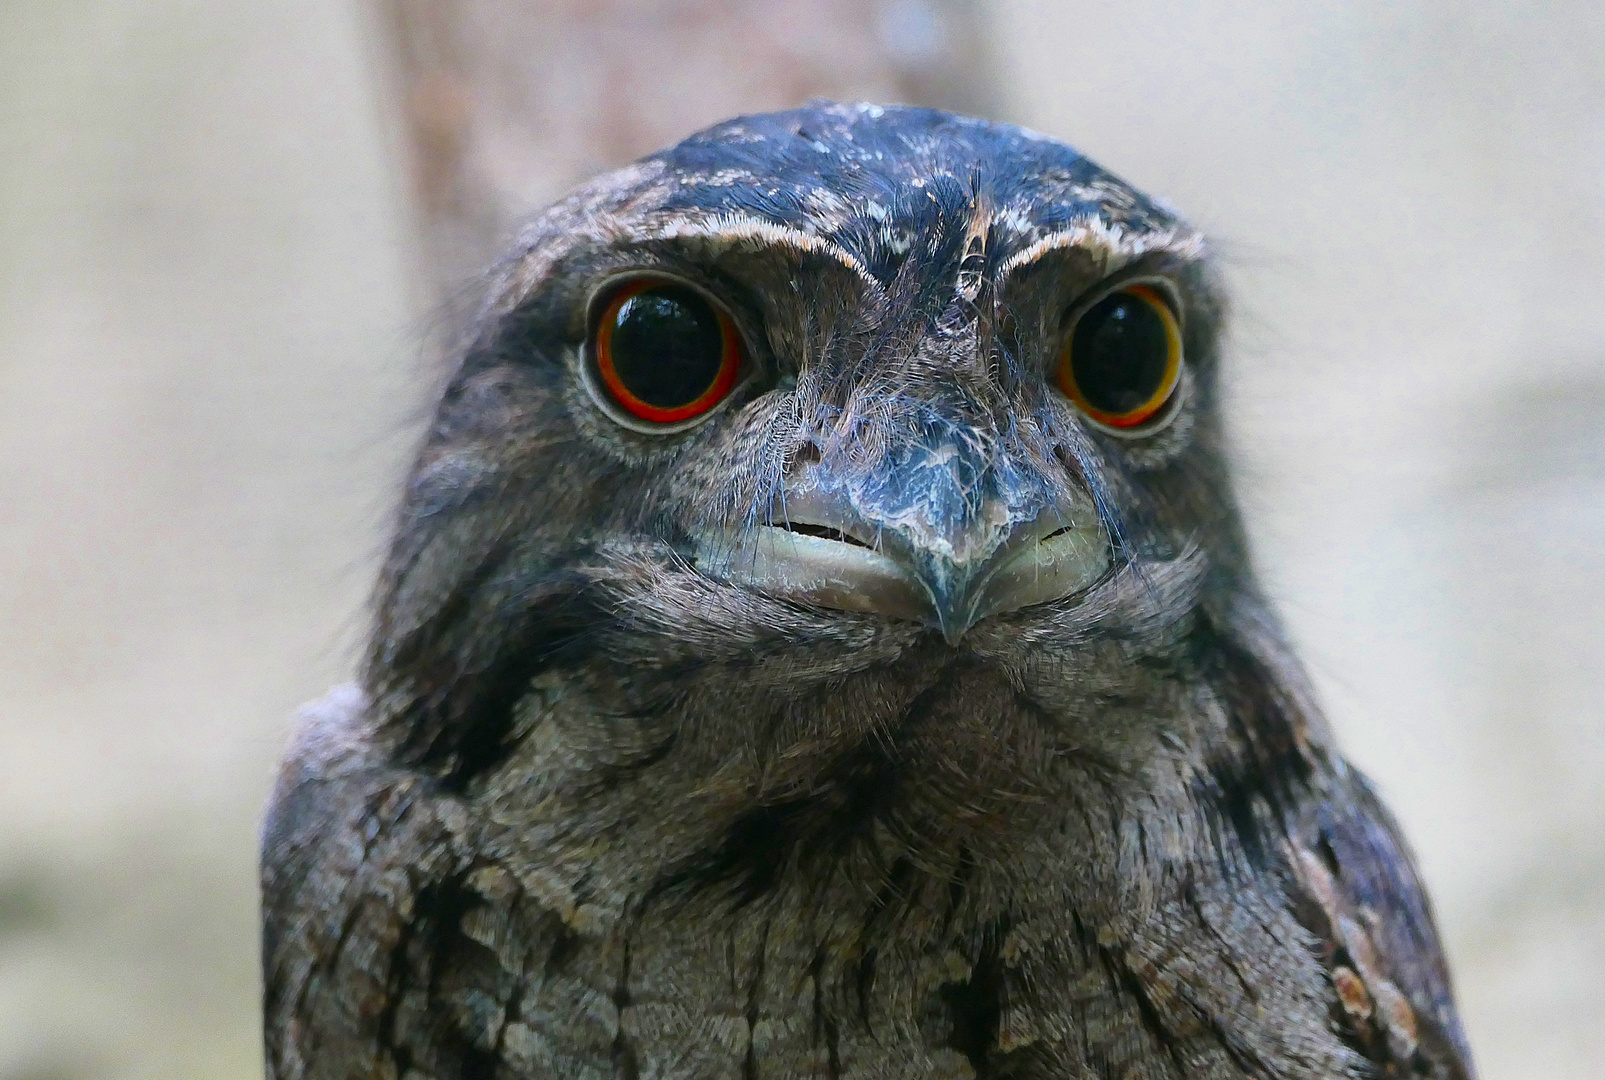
pixel 812 394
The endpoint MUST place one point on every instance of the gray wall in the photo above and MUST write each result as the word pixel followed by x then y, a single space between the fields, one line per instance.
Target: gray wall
pixel 210 373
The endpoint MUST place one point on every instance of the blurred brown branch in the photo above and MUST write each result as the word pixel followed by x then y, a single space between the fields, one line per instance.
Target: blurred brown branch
pixel 503 104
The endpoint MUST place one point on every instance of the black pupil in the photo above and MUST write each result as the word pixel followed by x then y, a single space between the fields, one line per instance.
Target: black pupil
pixel 1119 353
pixel 667 346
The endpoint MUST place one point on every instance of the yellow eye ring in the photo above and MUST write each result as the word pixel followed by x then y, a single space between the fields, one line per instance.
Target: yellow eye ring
pixel 1121 361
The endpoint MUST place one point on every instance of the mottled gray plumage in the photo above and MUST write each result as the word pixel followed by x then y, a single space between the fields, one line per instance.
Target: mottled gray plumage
pixel 600 809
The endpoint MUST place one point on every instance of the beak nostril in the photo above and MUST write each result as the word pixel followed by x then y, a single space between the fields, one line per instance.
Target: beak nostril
pixel 806 454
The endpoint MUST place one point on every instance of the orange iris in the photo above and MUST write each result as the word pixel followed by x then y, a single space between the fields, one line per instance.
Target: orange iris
pixel 664 352
pixel 1122 360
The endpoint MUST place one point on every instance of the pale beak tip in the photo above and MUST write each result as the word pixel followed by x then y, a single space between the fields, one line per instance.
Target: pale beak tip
pixel 954 610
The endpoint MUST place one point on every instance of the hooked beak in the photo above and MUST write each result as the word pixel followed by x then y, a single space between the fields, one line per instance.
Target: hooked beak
pixel 823 550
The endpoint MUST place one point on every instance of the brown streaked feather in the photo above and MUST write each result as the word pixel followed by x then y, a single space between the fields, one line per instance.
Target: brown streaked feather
pixel 1358 892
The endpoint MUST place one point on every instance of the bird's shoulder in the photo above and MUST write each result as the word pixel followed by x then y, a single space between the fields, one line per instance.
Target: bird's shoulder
pixel 1354 886
pixel 354 851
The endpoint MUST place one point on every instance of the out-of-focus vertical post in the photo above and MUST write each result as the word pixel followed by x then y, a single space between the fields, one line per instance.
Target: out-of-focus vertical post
pixel 505 103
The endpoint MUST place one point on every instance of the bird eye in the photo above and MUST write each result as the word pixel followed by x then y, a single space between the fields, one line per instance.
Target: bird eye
pixel 1122 361
pixel 663 353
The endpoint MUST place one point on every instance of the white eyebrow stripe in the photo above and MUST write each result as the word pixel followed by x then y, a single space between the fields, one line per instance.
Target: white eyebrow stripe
pixel 729 228
pixel 1113 245
pixel 525 273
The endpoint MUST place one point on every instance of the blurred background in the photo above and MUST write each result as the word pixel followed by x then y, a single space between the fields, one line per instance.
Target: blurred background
pixel 230 233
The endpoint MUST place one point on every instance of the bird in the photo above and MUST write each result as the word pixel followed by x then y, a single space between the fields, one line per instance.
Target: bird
pixel 820 639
